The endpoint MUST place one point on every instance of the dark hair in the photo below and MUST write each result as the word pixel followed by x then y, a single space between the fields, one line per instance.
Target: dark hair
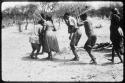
pixel 66 14
pixel 83 16
pixel 48 18
pixel 115 11
pixel 43 16
pixel 40 22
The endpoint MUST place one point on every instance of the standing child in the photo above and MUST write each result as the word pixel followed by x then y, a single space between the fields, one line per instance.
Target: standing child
pixel 35 40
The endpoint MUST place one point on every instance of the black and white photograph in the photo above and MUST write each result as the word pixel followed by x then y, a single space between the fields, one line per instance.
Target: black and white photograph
pixel 62 41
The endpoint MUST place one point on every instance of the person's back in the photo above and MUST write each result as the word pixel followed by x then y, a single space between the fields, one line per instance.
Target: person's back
pixel 88 28
pixel 115 23
pixel 90 34
pixel 116 34
pixel 49 25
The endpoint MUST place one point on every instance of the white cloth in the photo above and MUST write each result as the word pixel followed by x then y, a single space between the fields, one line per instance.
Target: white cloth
pixel 73 21
pixel 34 37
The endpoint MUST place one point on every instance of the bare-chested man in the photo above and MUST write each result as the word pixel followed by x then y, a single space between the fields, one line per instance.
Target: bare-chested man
pixel 90 34
pixel 74 32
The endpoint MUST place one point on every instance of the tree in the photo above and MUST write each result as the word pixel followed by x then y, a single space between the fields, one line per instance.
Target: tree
pixel 28 12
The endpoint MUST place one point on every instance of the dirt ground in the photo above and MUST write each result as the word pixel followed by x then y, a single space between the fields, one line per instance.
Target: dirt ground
pixel 18 66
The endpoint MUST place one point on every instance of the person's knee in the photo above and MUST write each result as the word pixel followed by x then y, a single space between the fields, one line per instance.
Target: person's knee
pixel 93 40
pixel 87 47
pixel 72 47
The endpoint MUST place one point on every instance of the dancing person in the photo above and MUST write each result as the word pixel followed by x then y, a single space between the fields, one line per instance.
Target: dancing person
pixel 42 32
pixel 116 34
pixel 35 40
pixel 74 32
pixel 90 34
pixel 51 42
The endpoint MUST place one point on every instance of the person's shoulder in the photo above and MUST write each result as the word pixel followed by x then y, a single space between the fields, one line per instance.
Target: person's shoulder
pixel 116 15
pixel 87 21
pixel 71 17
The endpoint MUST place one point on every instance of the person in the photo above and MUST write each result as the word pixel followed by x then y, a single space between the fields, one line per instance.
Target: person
pixel 90 34
pixel 74 32
pixel 71 23
pixel 51 42
pixel 35 40
pixel 116 34
pixel 42 32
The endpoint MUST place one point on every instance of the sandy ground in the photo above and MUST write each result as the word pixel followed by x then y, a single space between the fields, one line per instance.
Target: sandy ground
pixel 18 66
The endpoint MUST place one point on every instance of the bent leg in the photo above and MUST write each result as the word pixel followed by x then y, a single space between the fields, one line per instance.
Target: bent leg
pixel 74 52
pixel 113 54
pixel 118 53
pixel 33 50
pixel 91 56
pixel 38 49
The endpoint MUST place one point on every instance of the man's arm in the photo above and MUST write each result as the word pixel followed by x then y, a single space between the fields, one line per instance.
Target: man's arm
pixel 80 23
pixel 73 22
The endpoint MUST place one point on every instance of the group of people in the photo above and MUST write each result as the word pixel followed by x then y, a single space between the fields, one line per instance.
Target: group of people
pixel 49 42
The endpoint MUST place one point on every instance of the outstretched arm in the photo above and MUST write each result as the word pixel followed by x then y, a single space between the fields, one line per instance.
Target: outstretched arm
pixel 42 19
pixel 53 25
pixel 80 23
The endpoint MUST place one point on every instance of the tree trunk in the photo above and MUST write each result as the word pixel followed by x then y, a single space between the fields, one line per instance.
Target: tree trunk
pixel 19 24
pixel 20 28
pixel 26 24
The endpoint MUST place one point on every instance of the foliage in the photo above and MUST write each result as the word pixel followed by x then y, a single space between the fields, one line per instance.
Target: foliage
pixel 56 10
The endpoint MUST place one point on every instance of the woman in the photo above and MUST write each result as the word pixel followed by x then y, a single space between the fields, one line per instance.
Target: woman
pixel 51 43
pixel 42 32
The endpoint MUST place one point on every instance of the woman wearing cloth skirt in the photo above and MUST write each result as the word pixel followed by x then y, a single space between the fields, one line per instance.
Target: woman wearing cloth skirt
pixel 51 43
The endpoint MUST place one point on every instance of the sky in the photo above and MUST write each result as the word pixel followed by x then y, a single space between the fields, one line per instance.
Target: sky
pixel 94 4
pixel 12 4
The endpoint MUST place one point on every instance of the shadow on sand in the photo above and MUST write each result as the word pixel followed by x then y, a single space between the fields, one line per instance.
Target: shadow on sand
pixel 28 58
pixel 63 61
pixel 110 55
pixel 103 50
pixel 71 63
pixel 110 63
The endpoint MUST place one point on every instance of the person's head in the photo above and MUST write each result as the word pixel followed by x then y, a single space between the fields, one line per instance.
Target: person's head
pixel 83 16
pixel 42 15
pixel 40 22
pixel 66 15
pixel 115 11
pixel 48 18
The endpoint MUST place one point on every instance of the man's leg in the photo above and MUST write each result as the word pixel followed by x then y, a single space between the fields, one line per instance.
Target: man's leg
pixel 113 54
pixel 74 52
pixel 49 56
pixel 118 53
pixel 91 56
pixel 72 45
pixel 70 36
pixel 33 50
pixel 42 47
pixel 88 47
pixel 38 49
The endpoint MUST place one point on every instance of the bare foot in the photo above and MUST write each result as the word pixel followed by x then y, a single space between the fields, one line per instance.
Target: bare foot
pixel 75 59
pixel 93 62
pixel 111 60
